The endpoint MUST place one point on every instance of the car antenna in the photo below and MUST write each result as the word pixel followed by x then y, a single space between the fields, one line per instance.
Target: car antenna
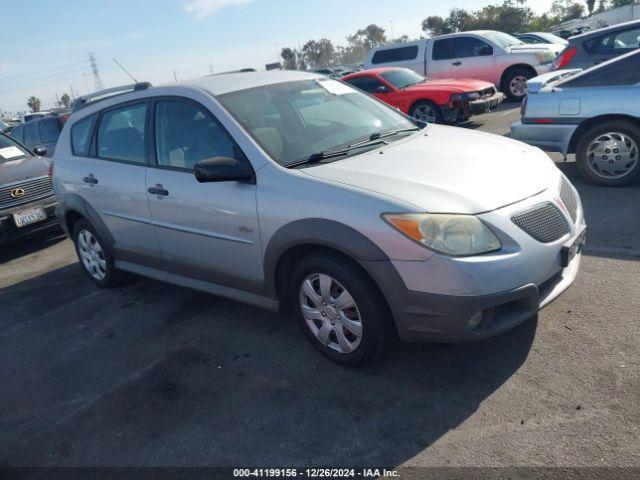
pixel 125 70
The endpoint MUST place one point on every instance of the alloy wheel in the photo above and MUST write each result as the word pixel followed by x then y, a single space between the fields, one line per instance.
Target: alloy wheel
pixel 612 155
pixel 425 113
pixel 92 255
pixel 331 313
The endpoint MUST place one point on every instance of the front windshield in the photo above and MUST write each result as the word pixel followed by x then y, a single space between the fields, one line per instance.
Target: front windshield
pixel 10 150
pixel 402 77
pixel 503 39
pixel 551 38
pixel 292 121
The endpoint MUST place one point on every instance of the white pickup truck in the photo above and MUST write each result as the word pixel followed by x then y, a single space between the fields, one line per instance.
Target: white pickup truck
pixel 483 54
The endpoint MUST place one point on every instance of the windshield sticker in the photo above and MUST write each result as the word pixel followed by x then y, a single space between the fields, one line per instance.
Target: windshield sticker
pixel 11 152
pixel 335 88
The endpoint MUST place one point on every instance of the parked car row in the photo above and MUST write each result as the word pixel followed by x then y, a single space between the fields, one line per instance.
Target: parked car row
pixel 594 113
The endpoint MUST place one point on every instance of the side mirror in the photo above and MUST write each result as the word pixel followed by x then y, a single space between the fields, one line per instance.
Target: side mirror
pixel 485 51
pixel 382 89
pixel 40 151
pixel 223 169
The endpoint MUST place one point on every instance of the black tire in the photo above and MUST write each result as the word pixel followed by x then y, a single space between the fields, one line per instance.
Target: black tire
pixel 427 103
pixel 509 77
pixel 378 332
pixel 583 158
pixel 112 276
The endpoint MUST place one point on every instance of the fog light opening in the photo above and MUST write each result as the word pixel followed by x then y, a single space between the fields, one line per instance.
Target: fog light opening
pixel 475 321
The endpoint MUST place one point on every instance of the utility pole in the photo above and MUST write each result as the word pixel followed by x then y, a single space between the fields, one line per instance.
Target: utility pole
pixel 174 75
pixel 96 73
pixel 211 69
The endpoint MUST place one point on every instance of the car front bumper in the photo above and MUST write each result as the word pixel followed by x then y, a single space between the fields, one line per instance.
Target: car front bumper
pixel 9 231
pixel 434 300
pixel 484 105
pixel 549 137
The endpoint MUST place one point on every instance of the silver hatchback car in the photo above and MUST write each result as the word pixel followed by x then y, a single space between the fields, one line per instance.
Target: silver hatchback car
pixel 293 191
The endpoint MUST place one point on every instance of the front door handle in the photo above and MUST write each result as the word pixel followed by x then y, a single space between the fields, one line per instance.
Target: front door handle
pixel 90 179
pixel 457 64
pixel 158 190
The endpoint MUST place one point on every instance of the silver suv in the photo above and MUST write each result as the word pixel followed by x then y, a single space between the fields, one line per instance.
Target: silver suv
pixel 293 191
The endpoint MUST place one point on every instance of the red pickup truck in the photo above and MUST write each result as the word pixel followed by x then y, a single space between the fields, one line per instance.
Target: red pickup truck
pixel 433 101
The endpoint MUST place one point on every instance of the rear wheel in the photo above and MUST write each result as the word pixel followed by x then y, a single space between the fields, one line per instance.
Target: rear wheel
pixel 95 258
pixel 426 111
pixel 340 309
pixel 514 85
pixel 608 154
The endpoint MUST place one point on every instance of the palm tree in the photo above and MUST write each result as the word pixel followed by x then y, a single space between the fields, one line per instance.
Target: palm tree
pixel 65 100
pixel 34 104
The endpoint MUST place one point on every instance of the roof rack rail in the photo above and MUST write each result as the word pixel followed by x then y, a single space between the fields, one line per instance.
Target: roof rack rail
pixel 86 100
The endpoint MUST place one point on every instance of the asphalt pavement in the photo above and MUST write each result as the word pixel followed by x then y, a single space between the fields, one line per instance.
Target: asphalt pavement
pixel 151 374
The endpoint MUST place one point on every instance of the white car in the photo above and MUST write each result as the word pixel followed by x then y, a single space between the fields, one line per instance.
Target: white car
pixel 486 55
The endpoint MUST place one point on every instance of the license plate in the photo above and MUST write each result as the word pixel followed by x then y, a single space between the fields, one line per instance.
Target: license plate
pixel 28 217
pixel 570 251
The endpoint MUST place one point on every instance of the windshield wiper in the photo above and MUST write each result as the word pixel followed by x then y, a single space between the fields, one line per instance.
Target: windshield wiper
pixel 374 139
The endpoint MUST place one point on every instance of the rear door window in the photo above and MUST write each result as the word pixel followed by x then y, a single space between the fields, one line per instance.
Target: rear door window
pixel 81 136
pixel 464 47
pixel 399 54
pixel 49 130
pixel 31 138
pixel 121 134
pixel 443 49
pixel 619 42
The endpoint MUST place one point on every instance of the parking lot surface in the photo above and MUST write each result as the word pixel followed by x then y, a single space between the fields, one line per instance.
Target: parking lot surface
pixel 155 375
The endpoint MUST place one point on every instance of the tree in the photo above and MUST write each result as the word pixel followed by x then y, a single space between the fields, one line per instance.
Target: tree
pixel 564 10
pixel 319 53
pixel 455 22
pixel 434 26
pixel 289 57
pixel 65 100
pixel 34 104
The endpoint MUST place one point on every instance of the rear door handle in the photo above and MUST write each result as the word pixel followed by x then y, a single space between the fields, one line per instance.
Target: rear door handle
pixel 457 64
pixel 158 190
pixel 90 179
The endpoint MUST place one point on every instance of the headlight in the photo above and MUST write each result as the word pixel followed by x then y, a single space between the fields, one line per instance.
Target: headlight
pixel 464 96
pixel 456 235
pixel 545 57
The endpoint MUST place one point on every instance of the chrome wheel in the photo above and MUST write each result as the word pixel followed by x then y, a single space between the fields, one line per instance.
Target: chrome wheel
pixel 518 86
pixel 91 254
pixel 425 113
pixel 330 313
pixel 612 155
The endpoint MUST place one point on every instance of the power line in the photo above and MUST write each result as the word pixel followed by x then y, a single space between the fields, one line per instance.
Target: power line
pixel 41 71
pixel 39 79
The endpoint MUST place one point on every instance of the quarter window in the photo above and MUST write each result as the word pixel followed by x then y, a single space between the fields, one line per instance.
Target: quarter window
pixel 81 136
pixel 121 134
pixel 186 133
pixel 623 72
pixel 617 42
pixel 395 54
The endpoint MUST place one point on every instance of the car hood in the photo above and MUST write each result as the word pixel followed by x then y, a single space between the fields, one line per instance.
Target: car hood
pixel 23 169
pixel 537 47
pixel 451 85
pixel 447 170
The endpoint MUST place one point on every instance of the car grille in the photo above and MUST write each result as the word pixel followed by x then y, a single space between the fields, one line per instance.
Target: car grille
pixel 34 189
pixel 568 197
pixel 544 222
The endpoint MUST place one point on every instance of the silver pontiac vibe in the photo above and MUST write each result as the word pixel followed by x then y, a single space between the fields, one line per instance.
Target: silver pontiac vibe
pixel 294 191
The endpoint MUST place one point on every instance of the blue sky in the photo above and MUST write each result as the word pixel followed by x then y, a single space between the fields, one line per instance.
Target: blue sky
pixel 45 44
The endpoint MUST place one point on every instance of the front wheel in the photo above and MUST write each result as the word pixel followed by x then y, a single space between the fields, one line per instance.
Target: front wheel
pixel 427 112
pixel 514 85
pixel 340 309
pixel 608 154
